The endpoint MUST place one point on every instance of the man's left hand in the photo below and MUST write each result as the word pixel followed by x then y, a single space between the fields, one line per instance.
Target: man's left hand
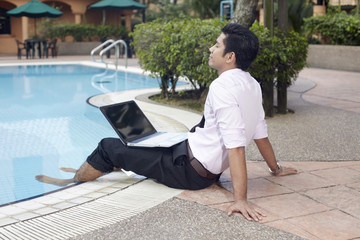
pixel 286 171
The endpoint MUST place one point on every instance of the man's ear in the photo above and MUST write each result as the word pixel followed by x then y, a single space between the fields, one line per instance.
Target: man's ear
pixel 230 57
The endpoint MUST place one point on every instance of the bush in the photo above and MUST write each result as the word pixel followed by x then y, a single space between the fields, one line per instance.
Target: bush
pixel 291 57
pixel 288 51
pixel 336 28
pixel 81 32
pixel 194 48
pixel 266 62
pixel 180 47
pixel 152 42
pixel 279 61
pixel 177 48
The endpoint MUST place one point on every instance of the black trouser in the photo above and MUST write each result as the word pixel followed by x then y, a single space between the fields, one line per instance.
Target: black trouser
pixel 169 166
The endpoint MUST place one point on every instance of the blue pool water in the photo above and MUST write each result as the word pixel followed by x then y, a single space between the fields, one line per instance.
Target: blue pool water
pixel 45 122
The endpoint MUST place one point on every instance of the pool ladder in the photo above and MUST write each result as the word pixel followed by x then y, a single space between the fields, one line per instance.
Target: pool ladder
pixel 113 44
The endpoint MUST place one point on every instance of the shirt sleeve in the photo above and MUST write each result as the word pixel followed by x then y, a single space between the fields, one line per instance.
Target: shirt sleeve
pixel 261 127
pixel 228 118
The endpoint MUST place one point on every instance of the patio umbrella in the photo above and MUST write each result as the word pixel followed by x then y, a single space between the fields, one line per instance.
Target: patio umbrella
pixel 116 4
pixel 34 9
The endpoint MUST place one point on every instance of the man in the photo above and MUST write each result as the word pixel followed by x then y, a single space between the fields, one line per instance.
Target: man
pixel 233 115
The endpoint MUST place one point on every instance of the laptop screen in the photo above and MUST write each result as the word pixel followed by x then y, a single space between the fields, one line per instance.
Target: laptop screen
pixel 128 120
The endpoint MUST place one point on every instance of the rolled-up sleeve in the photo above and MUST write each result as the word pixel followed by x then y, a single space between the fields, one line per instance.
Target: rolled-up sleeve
pixel 231 127
pixel 261 127
pixel 261 130
pixel 229 119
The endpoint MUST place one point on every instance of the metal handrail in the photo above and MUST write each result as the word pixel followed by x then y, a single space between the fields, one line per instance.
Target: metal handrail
pixel 114 45
pixel 98 47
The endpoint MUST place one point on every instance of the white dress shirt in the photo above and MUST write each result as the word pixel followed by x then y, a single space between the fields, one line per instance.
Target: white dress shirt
pixel 234 115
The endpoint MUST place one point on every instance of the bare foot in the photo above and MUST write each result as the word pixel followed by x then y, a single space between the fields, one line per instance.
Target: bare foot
pixel 73 170
pixel 54 181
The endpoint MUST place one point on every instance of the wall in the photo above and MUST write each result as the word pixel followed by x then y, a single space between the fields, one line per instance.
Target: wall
pixel 337 57
pixel 76 48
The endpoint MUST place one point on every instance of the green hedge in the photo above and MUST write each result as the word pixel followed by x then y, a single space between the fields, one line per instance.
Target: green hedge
pixel 336 28
pixel 84 32
pixel 288 52
pixel 180 47
pixel 175 48
pixel 278 63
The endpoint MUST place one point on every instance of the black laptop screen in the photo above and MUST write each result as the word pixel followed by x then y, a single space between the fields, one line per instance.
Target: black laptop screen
pixel 128 121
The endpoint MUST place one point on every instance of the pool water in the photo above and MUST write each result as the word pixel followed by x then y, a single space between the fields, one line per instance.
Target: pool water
pixel 46 123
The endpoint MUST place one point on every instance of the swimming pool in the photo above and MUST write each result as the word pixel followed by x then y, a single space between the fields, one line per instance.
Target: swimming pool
pixel 45 122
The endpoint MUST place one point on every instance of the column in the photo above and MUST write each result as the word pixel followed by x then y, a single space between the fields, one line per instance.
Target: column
pixel 25 28
pixel 77 8
pixel 77 18
pixel 128 21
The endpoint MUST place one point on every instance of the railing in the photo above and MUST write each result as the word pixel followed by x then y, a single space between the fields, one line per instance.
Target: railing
pixel 113 44
pixel 99 47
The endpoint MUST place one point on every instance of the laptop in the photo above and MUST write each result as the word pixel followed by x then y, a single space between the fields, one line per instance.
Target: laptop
pixel 135 130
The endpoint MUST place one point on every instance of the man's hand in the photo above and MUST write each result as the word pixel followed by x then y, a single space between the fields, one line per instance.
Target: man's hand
pixel 245 209
pixel 286 171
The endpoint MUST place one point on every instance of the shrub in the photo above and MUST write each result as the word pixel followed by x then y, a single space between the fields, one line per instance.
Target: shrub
pixel 152 42
pixel 180 47
pixel 264 66
pixel 197 37
pixel 279 61
pixel 336 28
pixel 81 32
pixel 177 48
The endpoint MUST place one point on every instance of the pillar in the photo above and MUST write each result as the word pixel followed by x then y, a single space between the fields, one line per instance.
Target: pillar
pixel 25 28
pixel 77 8
pixel 261 15
pixel 128 21
pixel 77 18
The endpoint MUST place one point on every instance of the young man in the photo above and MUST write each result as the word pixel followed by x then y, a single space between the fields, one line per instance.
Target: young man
pixel 233 115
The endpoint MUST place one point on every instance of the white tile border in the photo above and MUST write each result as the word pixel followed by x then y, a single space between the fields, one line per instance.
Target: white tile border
pixel 89 216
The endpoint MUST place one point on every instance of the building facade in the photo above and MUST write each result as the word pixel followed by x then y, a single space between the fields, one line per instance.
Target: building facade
pixel 74 11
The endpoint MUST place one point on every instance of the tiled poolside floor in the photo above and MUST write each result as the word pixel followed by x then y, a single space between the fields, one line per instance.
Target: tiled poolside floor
pixel 321 202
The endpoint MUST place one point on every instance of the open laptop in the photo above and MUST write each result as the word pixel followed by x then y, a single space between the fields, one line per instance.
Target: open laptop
pixel 135 130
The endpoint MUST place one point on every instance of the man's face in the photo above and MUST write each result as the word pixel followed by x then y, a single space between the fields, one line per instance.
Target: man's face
pixel 217 60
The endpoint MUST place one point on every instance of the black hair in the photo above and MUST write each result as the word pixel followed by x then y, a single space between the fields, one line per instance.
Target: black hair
pixel 242 42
